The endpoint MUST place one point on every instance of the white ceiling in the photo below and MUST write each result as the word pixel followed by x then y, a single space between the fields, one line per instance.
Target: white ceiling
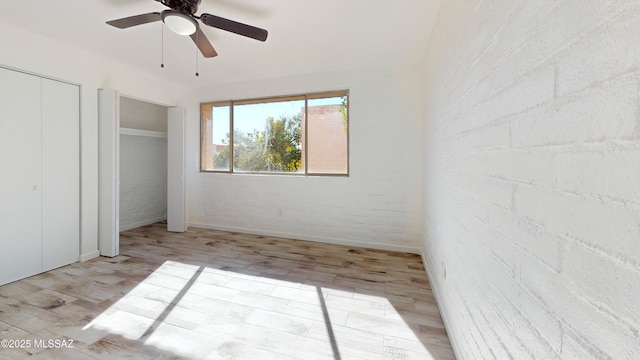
pixel 311 36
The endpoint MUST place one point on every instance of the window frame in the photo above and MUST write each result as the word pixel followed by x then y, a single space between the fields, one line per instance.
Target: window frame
pixel 306 97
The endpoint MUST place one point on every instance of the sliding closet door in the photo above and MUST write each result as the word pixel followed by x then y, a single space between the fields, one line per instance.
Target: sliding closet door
pixel 109 169
pixel 20 183
pixel 60 174
pixel 176 220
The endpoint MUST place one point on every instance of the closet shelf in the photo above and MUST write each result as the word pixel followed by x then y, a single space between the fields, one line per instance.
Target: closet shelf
pixel 138 132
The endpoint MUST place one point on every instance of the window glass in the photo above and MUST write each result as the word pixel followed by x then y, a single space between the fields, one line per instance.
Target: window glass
pixel 299 134
pixel 327 135
pixel 268 136
pixel 216 132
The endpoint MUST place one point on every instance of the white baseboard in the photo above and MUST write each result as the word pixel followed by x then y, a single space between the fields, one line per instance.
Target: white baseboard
pixel 88 256
pixel 141 223
pixel 336 241
pixel 431 273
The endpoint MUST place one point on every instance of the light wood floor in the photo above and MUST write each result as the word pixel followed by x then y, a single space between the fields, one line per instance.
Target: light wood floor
pixel 216 295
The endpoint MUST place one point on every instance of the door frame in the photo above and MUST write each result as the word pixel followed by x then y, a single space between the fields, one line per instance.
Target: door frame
pixel 109 171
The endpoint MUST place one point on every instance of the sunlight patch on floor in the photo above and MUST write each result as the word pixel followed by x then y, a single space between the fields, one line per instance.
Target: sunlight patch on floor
pixel 202 312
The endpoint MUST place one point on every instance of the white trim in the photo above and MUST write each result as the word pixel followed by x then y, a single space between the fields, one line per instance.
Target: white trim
pixel 426 261
pixel 138 132
pixel 88 256
pixel 37 74
pixel 336 241
pixel 141 223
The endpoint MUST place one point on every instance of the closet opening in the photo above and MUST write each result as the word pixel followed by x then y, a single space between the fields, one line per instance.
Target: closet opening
pixel 143 163
pixel 141 167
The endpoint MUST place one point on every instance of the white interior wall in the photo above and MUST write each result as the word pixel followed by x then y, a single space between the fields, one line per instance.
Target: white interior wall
pixel 30 52
pixel 378 205
pixel 531 177
pixel 142 115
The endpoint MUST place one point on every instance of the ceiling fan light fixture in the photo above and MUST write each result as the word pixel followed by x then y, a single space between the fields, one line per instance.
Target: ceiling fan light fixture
pixel 180 23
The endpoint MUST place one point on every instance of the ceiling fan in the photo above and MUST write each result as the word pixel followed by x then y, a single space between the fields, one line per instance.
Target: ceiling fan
pixel 181 19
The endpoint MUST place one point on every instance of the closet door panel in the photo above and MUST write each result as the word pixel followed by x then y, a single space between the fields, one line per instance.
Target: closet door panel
pixel 109 172
pixel 176 220
pixel 20 183
pixel 60 174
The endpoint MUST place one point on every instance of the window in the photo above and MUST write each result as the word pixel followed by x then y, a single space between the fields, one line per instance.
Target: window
pixel 301 134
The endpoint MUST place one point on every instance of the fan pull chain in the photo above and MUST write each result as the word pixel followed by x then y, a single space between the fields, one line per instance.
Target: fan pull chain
pixel 197 46
pixel 162 47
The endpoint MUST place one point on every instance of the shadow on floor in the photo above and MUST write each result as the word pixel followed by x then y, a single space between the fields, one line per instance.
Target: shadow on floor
pixel 209 294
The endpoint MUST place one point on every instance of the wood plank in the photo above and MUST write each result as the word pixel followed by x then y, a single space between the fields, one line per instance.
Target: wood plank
pixel 235 301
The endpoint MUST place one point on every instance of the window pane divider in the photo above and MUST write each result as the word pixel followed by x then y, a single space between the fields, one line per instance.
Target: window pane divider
pixel 306 136
pixel 232 136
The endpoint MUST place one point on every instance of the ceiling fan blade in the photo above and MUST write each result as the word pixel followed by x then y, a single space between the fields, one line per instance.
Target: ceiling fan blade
pixel 234 27
pixel 135 20
pixel 201 41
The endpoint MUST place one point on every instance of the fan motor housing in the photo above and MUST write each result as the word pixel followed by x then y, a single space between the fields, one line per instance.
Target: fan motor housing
pixel 188 6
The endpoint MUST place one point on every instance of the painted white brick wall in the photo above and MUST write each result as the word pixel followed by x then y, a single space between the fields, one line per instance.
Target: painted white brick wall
pixel 379 205
pixel 532 177
pixel 143 180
